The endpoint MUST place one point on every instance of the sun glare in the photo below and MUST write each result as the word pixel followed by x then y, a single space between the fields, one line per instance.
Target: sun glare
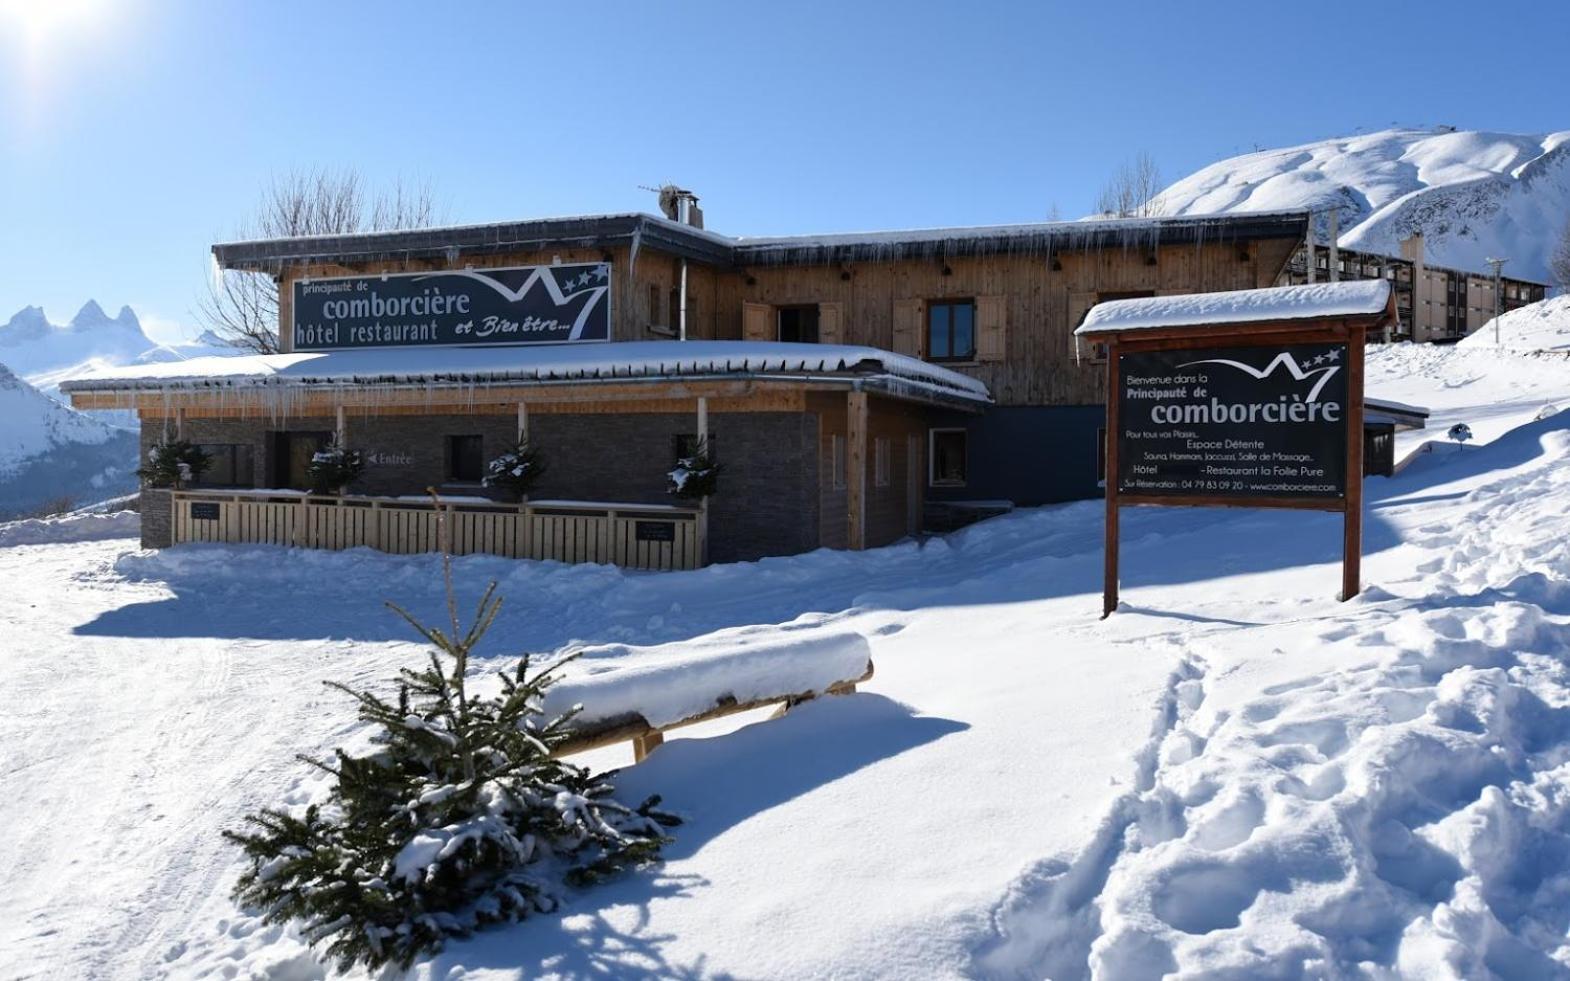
pixel 36 24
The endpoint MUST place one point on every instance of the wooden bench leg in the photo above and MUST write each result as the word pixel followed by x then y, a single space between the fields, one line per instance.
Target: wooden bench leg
pixel 643 745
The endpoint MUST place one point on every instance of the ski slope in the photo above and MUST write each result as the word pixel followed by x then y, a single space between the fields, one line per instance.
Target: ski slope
pixel 1234 776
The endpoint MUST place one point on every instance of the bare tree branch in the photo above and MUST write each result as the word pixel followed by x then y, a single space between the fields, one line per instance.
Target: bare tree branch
pixel 242 307
pixel 1133 191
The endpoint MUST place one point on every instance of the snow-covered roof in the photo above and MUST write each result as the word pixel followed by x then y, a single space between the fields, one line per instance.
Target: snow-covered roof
pixel 536 364
pixel 1315 301
pixel 653 231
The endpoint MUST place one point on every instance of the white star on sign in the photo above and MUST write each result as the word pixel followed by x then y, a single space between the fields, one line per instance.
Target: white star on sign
pixel 1333 355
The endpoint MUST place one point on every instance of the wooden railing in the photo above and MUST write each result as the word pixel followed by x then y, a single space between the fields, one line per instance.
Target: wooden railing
pixel 631 535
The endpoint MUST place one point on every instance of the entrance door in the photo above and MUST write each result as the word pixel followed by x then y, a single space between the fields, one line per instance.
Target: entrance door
pixel 292 454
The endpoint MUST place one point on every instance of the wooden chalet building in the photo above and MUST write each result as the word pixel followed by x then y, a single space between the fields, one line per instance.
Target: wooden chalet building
pixel 849 385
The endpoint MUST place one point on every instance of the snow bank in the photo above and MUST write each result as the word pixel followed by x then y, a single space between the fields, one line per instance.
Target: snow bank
pixel 672 682
pixel 76 527
pixel 1540 326
pixel 1490 390
pixel 1361 298
pixel 1401 802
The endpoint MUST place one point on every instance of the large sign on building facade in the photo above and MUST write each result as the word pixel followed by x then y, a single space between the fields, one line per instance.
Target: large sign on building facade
pixel 516 305
pixel 1246 422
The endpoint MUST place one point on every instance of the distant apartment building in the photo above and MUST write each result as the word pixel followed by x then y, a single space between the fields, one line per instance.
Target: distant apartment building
pixel 1436 304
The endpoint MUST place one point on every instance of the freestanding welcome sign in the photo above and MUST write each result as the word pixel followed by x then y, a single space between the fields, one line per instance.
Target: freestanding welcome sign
pixel 1245 399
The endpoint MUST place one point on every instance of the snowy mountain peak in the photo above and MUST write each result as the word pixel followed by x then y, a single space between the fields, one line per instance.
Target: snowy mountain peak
pixel 89 317
pixel 26 324
pixel 1471 194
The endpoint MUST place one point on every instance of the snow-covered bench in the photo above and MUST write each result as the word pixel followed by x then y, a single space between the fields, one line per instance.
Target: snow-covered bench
pixel 638 693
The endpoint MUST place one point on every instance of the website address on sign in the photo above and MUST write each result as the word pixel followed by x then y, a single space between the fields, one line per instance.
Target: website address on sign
pixel 1224 486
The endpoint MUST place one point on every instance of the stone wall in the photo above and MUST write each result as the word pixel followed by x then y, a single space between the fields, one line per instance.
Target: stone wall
pixel 157 518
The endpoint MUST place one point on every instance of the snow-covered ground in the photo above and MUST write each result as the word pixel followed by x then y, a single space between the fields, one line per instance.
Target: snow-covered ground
pixel 1540 326
pixel 1492 391
pixel 1234 776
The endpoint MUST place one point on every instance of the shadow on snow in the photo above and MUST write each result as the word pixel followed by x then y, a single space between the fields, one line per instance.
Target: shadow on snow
pixel 268 592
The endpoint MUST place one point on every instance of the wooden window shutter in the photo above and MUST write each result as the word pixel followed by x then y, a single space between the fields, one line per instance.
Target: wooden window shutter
pixel 907 327
pixel 757 322
pixel 831 319
pixel 991 328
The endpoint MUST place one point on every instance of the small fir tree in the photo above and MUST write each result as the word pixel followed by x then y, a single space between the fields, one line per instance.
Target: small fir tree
pixel 333 468
pixel 461 818
pixel 174 463
pixel 516 470
pixel 695 477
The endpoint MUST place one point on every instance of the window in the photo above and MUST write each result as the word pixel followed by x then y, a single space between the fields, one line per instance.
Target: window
pixel 837 462
pixel 947 454
pixel 951 330
pixel 230 465
pixel 798 324
pixel 882 461
pixel 654 306
pixel 465 460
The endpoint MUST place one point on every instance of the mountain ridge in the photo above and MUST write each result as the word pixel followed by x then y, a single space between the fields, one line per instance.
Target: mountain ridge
pixel 1471 193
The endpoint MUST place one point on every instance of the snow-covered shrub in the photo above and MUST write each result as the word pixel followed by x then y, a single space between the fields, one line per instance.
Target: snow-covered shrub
pixel 695 477
pixel 516 470
pixel 333 468
pixel 174 463
pixel 460 818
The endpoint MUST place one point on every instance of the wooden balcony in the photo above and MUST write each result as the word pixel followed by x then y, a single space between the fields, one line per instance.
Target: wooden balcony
pixel 635 536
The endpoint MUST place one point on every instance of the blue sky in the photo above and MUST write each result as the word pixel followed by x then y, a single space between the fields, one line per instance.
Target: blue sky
pixel 134 133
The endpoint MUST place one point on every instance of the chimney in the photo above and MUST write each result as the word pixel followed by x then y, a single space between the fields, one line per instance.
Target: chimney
pixel 1412 248
pixel 680 204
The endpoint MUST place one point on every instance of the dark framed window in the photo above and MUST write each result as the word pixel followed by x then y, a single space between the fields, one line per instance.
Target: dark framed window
pixel 946 453
pixel 951 330
pixel 798 324
pixel 465 460
pixel 231 465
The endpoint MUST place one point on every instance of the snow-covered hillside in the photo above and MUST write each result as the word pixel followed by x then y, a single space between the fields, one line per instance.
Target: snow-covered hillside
pixel 1234 776
pixel 1540 326
pixel 48 451
pixel 1471 194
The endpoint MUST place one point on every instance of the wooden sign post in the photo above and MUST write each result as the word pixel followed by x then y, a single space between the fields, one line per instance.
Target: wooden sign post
pixel 1261 414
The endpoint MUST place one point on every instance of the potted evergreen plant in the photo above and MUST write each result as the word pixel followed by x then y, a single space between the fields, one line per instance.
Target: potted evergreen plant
pixel 174 463
pixel 333 468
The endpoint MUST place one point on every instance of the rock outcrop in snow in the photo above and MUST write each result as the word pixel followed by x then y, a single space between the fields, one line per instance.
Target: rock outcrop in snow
pixel 1470 194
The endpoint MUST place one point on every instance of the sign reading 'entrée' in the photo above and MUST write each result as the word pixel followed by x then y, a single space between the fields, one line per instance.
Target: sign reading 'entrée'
pixel 519 305
pixel 1233 422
